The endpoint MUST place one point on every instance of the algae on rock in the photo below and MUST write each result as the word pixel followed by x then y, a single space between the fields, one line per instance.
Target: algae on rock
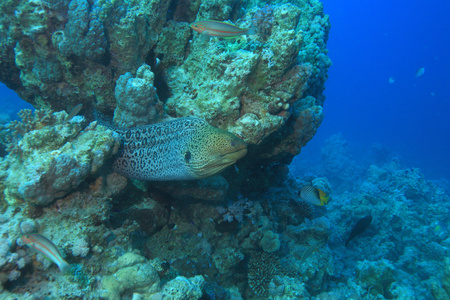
pixel 137 101
pixel 50 157
pixel 256 87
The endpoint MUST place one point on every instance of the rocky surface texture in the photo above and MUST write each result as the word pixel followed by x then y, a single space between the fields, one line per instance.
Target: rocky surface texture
pixel 266 88
pixel 243 233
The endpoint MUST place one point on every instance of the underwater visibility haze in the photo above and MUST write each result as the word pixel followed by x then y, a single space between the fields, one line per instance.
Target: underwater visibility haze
pixel 224 149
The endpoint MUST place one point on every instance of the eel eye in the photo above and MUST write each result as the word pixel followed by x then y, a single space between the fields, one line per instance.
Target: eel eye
pixel 187 156
pixel 233 144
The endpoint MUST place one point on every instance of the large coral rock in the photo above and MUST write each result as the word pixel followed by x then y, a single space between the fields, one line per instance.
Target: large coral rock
pixel 244 86
pixel 84 34
pixel 182 288
pixel 60 53
pixel 53 157
pixel 132 274
pixel 137 101
pixel 258 85
pixel 122 56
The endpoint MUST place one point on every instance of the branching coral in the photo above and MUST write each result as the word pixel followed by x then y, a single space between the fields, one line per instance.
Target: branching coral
pixel 235 211
pixel 262 268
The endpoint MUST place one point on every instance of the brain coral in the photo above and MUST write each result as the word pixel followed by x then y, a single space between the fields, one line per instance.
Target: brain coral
pixel 50 156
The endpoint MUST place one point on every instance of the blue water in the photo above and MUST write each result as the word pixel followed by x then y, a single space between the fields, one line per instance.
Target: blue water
pixel 371 41
pixel 10 103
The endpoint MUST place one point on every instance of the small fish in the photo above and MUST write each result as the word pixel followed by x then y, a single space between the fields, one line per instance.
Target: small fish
pixel 308 252
pixel 359 228
pixel 391 80
pixel 46 248
pixel 420 72
pixel 73 113
pixel 220 29
pixel 439 228
pixel 313 195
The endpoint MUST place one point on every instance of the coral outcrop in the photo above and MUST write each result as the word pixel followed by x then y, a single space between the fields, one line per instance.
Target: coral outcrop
pixel 123 241
pixel 114 56
pixel 183 288
pixel 84 34
pixel 137 101
pixel 243 233
pixel 50 156
pixel 131 272
pixel 252 86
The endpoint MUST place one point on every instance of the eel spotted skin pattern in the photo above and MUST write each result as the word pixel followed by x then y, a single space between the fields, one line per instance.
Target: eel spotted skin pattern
pixel 181 149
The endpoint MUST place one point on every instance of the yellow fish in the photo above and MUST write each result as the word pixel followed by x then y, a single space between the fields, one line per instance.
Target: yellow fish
pixel 313 195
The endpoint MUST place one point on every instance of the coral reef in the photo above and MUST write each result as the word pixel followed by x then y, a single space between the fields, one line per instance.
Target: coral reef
pixel 338 164
pixel 137 102
pixel 183 288
pixel 409 213
pixel 375 276
pixel 274 82
pixel 243 234
pixel 51 156
pixel 84 34
pixel 262 268
pixel 135 240
pixel 62 53
pixel 131 273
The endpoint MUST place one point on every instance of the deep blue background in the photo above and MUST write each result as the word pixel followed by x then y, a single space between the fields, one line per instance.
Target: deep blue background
pixel 10 103
pixel 371 41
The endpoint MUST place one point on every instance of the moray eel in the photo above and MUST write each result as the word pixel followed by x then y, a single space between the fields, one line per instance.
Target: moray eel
pixel 180 149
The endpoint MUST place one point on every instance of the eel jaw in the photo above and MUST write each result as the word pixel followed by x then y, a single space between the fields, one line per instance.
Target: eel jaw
pixel 221 163
pixel 232 157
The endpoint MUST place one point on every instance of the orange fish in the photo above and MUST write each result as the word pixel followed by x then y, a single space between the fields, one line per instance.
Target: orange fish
pixel 220 29
pixel 46 248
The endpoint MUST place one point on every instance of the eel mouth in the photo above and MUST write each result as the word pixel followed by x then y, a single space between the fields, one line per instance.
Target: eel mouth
pixel 223 162
pixel 228 159
pixel 232 157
